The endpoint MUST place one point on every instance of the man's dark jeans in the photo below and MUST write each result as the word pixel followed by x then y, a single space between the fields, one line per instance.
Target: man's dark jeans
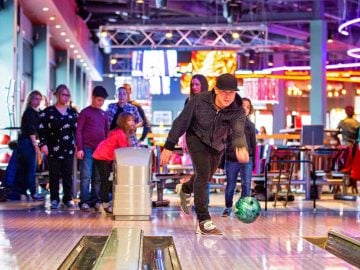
pixel 205 162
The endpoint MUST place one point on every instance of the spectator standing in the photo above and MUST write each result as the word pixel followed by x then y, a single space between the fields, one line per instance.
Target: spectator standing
pixel 114 109
pixel 104 154
pixel 27 148
pixel 233 166
pixel 57 141
pixel 92 128
pixel 146 123
pixel 349 127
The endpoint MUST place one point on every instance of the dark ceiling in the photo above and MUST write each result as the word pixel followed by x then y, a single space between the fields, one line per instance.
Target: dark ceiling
pixel 288 22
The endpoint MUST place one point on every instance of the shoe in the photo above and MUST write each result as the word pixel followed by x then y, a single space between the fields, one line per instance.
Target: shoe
pixel 85 207
pixel 37 197
pixel 227 212
pixel 207 227
pixel 69 205
pixel 185 200
pixel 54 204
pixel 107 208
pixel 97 206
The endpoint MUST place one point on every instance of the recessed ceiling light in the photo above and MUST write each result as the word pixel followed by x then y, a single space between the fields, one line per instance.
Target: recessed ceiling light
pixel 76 51
pixel 58 26
pixel 67 40
pixel 45 9
pixel 52 18
pixel 72 46
pixel 63 34
pixel 78 56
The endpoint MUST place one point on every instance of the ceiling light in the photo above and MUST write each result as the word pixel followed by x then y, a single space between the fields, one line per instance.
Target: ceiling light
pixel 67 40
pixel 58 26
pixel 235 35
pixel 169 35
pixel 52 18
pixel 76 51
pixel 113 61
pixel 78 56
pixel 45 9
pixel 62 34
pixel 139 1
pixel 71 46
pixel 342 29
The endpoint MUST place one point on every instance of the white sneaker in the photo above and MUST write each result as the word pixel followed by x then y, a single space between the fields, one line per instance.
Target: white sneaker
pixel 207 227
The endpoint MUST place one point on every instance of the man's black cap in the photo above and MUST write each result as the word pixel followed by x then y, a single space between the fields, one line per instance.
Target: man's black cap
pixel 227 82
pixel 100 91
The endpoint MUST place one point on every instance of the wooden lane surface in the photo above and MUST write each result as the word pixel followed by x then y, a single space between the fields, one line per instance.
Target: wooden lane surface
pixel 41 239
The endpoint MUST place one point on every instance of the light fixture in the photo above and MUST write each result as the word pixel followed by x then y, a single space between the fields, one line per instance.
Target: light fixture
pixel 113 61
pixel 169 35
pixel 67 40
pixel 139 1
pixel 235 35
pixel 342 29
pixel 63 34
pixel 52 18
pixel 45 9
pixel 103 34
pixel 330 38
pixel 270 60
pixel 58 26
pixel 333 66
pixel 71 46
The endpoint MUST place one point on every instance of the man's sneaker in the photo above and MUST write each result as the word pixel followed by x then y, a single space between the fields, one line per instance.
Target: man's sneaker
pixel 185 200
pixel 85 207
pixel 107 208
pixel 97 206
pixel 37 197
pixel 227 212
pixel 54 204
pixel 208 227
pixel 70 205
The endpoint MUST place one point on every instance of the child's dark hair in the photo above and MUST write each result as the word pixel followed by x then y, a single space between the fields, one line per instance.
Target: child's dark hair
pixel 121 123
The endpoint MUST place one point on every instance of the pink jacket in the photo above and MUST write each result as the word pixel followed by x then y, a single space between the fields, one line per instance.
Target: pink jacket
pixel 105 149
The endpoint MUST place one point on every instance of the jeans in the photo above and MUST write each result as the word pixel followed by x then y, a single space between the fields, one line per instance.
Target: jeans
pixel 102 170
pixel 25 175
pixel 87 195
pixel 61 169
pixel 232 170
pixel 205 162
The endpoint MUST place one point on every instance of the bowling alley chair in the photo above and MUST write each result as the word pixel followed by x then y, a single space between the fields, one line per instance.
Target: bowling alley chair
pixel 281 168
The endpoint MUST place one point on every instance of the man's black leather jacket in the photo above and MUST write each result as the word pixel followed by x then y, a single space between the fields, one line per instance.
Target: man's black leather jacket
pixel 202 118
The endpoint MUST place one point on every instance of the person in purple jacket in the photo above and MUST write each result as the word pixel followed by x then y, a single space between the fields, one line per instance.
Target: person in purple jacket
pixel 92 128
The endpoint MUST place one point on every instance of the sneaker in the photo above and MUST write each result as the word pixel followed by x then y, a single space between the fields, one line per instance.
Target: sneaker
pixel 37 197
pixel 85 207
pixel 107 208
pixel 54 204
pixel 227 212
pixel 207 227
pixel 97 206
pixel 185 200
pixel 69 205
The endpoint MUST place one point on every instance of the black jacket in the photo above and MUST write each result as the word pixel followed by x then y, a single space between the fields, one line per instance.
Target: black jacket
pixel 250 133
pixel 212 127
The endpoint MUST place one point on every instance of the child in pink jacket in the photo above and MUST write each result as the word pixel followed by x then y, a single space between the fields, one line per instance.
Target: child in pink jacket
pixel 104 154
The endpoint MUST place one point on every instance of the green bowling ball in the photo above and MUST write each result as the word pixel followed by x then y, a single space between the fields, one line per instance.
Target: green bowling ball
pixel 247 209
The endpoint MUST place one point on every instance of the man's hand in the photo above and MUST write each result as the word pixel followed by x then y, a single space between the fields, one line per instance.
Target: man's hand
pixel 80 154
pixel 165 156
pixel 242 154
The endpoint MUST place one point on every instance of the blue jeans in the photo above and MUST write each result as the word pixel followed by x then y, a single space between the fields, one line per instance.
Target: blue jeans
pixel 87 178
pixel 25 175
pixel 232 170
